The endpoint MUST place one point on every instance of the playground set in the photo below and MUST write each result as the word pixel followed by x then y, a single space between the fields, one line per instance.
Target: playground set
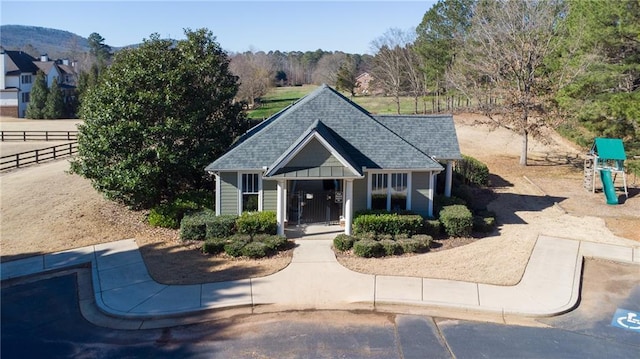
pixel 606 160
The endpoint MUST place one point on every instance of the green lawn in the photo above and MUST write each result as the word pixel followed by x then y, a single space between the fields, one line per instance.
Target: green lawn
pixel 281 97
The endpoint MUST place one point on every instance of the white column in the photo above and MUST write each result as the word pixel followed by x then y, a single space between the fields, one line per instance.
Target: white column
pixel 447 183
pixel 432 175
pixel 218 194
pixel 348 206
pixel 280 207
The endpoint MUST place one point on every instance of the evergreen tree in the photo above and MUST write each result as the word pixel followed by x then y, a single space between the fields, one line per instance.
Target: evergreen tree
pixel 38 98
pixel 346 77
pixel 54 107
pixel 157 116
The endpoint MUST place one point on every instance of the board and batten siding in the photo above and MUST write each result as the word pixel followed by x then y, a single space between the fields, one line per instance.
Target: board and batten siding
pixel 420 193
pixel 314 154
pixel 228 193
pixel 269 195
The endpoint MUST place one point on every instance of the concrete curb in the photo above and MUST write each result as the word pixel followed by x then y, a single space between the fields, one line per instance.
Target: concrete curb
pixel 122 289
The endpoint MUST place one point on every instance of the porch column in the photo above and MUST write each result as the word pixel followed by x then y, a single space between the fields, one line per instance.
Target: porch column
pixel 348 206
pixel 280 217
pixel 217 194
pixel 432 176
pixel 447 183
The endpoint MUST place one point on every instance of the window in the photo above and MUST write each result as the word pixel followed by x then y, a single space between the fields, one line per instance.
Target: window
pixel 26 79
pixel 379 191
pixel 389 191
pixel 398 191
pixel 250 192
pixel 26 97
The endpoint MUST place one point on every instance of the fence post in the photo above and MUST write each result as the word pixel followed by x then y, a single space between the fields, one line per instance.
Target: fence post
pixel 46 135
pixel 17 160
pixel 37 159
pixel 24 135
pixel 54 152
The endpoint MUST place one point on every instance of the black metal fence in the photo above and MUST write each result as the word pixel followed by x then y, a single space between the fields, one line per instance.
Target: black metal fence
pixel 36 156
pixel 38 135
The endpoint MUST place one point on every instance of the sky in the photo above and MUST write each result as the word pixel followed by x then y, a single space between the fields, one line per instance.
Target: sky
pixel 348 26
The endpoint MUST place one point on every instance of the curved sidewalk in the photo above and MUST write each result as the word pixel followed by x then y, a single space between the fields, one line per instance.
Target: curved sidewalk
pixel 315 280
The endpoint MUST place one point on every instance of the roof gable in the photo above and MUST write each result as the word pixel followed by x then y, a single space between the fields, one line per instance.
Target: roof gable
pixel 344 124
pixel 20 62
pixel 317 148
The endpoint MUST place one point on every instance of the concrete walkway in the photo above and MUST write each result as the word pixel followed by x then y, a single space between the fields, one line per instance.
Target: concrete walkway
pixel 315 280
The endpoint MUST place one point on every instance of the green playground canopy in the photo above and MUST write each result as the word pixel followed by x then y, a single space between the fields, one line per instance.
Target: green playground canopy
pixel 609 148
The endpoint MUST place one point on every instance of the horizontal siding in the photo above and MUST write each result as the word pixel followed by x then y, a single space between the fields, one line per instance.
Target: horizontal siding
pixel 420 193
pixel 269 195
pixel 229 193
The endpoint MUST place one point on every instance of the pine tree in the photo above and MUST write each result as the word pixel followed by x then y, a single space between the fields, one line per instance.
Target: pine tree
pixel 54 107
pixel 38 98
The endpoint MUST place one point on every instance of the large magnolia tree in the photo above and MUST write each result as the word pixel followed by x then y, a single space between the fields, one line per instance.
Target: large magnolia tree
pixel 157 116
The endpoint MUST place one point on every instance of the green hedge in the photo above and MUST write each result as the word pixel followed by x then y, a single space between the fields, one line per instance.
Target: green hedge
pixel 457 220
pixel 391 224
pixel 257 222
pixel 440 201
pixel 193 227
pixel 391 247
pixel 343 242
pixel 254 250
pixel 432 227
pixel 274 242
pixel 484 224
pixel 472 171
pixel 169 215
pixel 415 244
pixel 214 245
pixel 367 248
pixel 221 226
pixel 235 243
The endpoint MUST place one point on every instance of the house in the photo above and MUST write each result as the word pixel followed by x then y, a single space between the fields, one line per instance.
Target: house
pixel 324 157
pixel 19 71
pixel 364 85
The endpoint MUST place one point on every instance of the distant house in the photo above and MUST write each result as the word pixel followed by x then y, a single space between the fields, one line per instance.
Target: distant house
pixel 364 85
pixel 324 157
pixel 19 71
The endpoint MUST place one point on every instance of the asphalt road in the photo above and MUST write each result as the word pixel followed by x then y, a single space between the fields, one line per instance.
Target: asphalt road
pixel 42 319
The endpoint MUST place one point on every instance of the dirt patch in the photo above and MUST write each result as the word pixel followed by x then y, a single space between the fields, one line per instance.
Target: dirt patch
pixel 46 210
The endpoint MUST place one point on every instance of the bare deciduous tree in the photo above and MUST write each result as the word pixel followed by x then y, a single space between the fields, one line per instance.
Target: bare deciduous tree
pixel 504 53
pixel 255 71
pixel 389 63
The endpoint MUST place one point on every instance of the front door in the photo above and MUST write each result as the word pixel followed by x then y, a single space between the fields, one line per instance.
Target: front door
pixel 315 201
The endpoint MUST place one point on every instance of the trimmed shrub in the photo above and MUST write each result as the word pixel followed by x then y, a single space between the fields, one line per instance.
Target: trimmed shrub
pixel 366 235
pixel 193 227
pixel 221 226
pixel 413 245
pixel 432 227
pixel 457 220
pixel 390 247
pixel 343 242
pixel 440 201
pixel 213 245
pixel 274 243
pixel 424 239
pixel 254 250
pixel 257 222
pixel 472 171
pixel 169 215
pixel 391 224
pixel 367 248
pixel 234 245
pixel 483 224
pixel 401 236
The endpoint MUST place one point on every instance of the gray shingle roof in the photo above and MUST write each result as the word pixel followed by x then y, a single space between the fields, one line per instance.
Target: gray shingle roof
pixel 365 140
pixel 434 135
